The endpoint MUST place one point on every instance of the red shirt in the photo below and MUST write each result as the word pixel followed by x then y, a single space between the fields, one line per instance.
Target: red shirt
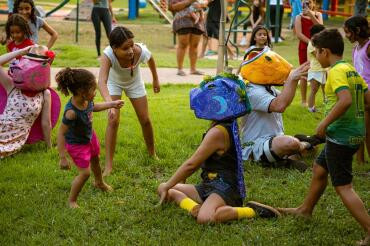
pixel 13 47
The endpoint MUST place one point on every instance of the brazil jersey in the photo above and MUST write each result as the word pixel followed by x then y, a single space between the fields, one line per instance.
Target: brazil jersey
pixel 349 128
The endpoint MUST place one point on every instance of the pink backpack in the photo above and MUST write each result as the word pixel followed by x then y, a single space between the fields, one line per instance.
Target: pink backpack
pixel 30 74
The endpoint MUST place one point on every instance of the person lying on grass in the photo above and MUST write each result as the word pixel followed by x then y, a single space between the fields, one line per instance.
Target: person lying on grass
pixel 220 196
pixel 347 99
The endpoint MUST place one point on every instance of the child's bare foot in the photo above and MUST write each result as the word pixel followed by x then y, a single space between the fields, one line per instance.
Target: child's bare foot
pixel 107 171
pixel 73 204
pixel 294 211
pixel 155 157
pixel 103 186
pixel 194 212
pixel 365 241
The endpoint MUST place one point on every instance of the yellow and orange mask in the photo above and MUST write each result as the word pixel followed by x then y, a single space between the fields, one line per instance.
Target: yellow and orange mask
pixel 265 67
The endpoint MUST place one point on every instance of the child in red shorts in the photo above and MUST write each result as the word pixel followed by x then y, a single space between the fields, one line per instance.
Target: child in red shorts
pixel 76 135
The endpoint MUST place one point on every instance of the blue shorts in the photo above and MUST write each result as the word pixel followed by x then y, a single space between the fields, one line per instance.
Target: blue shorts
pixel 229 194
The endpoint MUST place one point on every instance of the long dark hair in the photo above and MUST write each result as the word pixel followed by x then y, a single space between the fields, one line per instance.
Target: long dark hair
pixel 30 2
pixel 17 20
pixel 254 32
pixel 358 25
pixel 119 35
pixel 75 81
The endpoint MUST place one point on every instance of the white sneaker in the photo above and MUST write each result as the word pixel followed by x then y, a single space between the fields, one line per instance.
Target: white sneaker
pixel 243 42
pixel 280 40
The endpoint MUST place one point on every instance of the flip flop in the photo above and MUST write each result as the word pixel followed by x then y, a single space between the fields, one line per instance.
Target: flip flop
pixel 181 73
pixel 196 72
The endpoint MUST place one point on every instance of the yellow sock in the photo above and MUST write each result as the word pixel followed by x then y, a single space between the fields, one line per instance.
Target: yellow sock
pixel 245 212
pixel 188 204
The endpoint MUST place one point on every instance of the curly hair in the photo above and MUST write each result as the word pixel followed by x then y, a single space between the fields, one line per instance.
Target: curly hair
pixel 21 22
pixel 75 81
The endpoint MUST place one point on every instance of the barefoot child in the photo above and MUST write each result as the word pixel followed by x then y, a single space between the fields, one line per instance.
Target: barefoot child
pixel 357 30
pixel 220 196
pixel 120 72
pixel 76 135
pixel 26 8
pixel 344 127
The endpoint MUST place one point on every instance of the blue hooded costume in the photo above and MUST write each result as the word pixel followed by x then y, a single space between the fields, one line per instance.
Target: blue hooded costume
pixel 222 99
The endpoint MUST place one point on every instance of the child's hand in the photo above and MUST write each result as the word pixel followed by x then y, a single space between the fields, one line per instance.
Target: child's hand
pixel 162 192
pixel 117 104
pixel 156 86
pixel 26 50
pixel 321 130
pixel 64 164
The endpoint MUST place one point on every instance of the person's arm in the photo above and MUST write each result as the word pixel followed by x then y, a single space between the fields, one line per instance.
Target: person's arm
pixel 5 80
pixel 341 106
pixel 111 11
pixel 315 20
pixel 251 20
pixel 153 69
pixel 367 101
pixel 46 118
pixel 105 65
pixel 53 34
pixel 106 105
pixel 180 5
pixel 63 163
pixel 298 30
pixel 212 142
pixel 283 100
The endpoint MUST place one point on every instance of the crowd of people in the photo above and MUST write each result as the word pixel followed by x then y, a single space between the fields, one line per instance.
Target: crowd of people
pixel 345 129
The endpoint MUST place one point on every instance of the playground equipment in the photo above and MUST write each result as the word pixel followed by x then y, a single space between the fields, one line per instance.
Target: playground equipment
pixel 159 5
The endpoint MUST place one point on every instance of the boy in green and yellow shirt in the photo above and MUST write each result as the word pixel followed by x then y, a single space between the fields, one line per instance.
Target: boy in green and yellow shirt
pixel 344 128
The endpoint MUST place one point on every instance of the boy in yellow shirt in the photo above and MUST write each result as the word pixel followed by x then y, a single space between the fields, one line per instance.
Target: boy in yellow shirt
pixel 344 128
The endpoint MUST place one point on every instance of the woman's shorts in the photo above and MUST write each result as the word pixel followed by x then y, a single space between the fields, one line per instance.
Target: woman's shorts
pixel 319 76
pixel 134 90
pixel 189 30
pixel 229 194
pixel 81 154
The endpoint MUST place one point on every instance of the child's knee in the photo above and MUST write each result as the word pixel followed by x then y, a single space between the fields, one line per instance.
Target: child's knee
pixel 113 122
pixel 145 122
pixel 205 219
pixel 343 188
pixel 291 144
pixel 85 173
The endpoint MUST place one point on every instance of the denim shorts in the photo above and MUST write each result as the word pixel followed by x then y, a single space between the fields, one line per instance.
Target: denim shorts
pixel 228 193
pixel 337 160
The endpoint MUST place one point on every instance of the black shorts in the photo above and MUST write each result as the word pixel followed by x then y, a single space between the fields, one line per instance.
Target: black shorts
pixel 337 160
pixel 213 29
pixel 189 30
pixel 229 194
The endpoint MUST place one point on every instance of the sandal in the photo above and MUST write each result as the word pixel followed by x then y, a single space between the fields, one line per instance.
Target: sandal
pixel 181 73
pixel 196 72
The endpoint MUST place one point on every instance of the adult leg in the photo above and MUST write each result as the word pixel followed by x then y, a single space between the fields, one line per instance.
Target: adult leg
pixel 141 108
pixel 99 182
pixel 272 20
pixel 77 184
pixel 111 138
pixel 355 205
pixel 183 43
pixel 204 46
pixel 318 184
pixel 95 18
pixel 314 88
pixel 281 19
pixel 193 51
pixel 107 22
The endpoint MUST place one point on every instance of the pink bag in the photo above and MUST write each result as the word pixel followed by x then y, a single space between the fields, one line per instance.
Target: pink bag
pixel 30 75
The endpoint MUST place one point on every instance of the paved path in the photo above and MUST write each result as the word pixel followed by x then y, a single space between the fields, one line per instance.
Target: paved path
pixel 166 75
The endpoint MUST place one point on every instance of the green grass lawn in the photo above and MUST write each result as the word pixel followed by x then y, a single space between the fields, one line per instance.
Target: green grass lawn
pixel 34 191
